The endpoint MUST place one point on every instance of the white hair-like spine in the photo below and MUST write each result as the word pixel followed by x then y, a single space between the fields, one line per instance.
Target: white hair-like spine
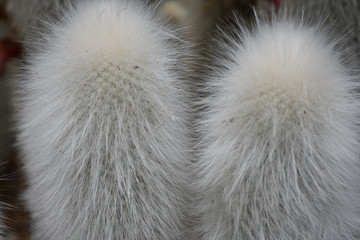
pixel 344 13
pixel 279 152
pixel 102 126
pixel 29 13
pixel 2 225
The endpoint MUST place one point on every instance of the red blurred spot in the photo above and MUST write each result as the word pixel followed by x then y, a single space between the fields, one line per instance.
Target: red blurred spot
pixel 276 2
pixel 8 50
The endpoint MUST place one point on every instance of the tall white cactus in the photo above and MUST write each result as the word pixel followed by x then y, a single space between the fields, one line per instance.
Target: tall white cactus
pixel 102 126
pixel 280 150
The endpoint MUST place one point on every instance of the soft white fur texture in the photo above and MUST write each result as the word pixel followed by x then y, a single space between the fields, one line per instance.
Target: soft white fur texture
pixel 344 13
pixel 102 126
pixel 279 156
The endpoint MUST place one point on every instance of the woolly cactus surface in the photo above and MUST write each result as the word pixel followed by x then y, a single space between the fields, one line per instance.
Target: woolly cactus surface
pixel 102 126
pixel 279 154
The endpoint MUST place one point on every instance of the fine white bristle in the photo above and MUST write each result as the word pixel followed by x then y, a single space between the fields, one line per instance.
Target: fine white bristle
pixel 344 13
pixel 29 13
pixel 279 154
pixel 2 226
pixel 102 126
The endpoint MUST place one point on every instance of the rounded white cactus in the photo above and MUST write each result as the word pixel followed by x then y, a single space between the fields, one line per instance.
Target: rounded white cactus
pixel 280 150
pixel 102 126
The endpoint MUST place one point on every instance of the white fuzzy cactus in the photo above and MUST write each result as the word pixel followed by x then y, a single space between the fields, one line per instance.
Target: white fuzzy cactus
pixel 102 126
pixel 280 150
